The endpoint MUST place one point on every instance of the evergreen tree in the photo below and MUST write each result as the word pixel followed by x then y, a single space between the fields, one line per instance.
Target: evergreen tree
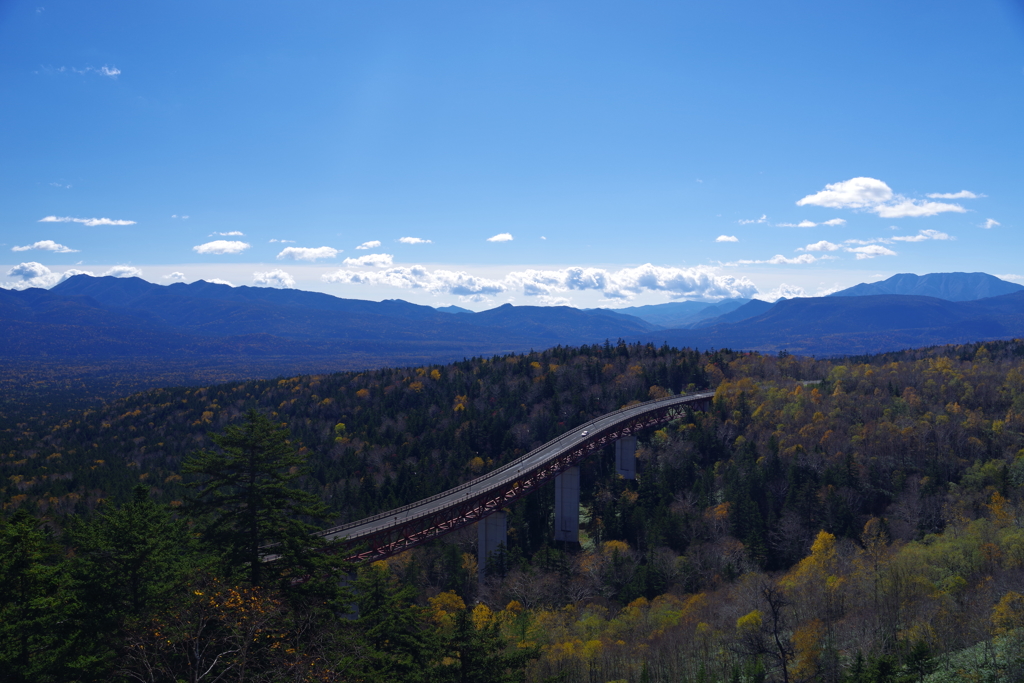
pixel 479 653
pixel 38 637
pixel 247 500
pixel 129 562
pixel 132 559
pixel 397 644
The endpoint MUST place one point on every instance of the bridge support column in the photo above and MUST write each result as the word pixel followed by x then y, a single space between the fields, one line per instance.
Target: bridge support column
pixel 491 532
pixel 567 505
pixel 625 456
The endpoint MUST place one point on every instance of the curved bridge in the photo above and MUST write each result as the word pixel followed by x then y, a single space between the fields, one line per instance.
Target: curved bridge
pixel 391 532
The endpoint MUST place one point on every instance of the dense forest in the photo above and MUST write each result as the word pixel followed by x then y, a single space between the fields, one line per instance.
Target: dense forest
pixel 847 520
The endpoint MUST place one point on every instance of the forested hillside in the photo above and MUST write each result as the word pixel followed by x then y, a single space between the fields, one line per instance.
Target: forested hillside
pixel 856 519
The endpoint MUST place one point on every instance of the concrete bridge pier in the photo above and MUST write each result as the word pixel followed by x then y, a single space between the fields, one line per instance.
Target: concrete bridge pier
pixel 492 532
pixel 567 505
pixel 625 456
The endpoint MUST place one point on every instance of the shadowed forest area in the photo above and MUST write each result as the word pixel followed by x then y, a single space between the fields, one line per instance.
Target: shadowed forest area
pixel 847 520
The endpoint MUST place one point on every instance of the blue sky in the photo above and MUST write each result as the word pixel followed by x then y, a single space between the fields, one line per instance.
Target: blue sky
pixel 591 153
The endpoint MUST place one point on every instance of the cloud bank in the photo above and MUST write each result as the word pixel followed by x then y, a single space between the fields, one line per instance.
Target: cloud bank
pixel 699 282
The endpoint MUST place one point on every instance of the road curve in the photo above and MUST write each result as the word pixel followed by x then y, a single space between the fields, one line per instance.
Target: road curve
pixel 428 518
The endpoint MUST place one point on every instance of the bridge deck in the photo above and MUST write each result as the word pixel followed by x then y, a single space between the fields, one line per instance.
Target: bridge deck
pixel 475 499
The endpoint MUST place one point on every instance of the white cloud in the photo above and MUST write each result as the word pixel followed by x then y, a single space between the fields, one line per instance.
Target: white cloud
pixel 823 245
pixel 501 237
pixel 176 276
pixel 543 237
pixel 221 247
pixel 856 193
pixel 85 221
pixel 379 260
pixel 877 240
pixel 124 271
pixel 46 245
pixel 780 259
pixel 825 291
pixel 108 71
pixel 913 208
pixel 801 224
pixel 274 278
pixel 762 219
pixel 835 222
pixel 871 194
pixel 413 240
pixel 870 251
pixel 282 241
pixel 1010 277
pixel 184 218
pixel 727 238
pixel 783 291
pixel 372 244
pixel 32 274
pixel 962 194
pixel 233 233
pixel 307 253
pixel 30 270
pixel 989 224
pixel 218 281
pixel 803 258
pixel 699 282
pixel 923 235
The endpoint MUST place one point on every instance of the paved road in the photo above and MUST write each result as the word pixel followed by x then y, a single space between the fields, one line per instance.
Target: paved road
pixel 503 475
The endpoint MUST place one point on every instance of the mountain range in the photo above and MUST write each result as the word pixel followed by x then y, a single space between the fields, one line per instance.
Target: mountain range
pixel 131 333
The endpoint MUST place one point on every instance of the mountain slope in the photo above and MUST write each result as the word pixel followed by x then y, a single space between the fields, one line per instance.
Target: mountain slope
pixel 750 309
pixel 677 314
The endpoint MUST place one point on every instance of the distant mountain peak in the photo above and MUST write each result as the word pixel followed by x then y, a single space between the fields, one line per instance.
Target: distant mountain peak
pixel 948 286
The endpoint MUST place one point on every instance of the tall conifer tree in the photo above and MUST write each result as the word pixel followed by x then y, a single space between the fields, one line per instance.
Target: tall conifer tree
pixel 247 498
